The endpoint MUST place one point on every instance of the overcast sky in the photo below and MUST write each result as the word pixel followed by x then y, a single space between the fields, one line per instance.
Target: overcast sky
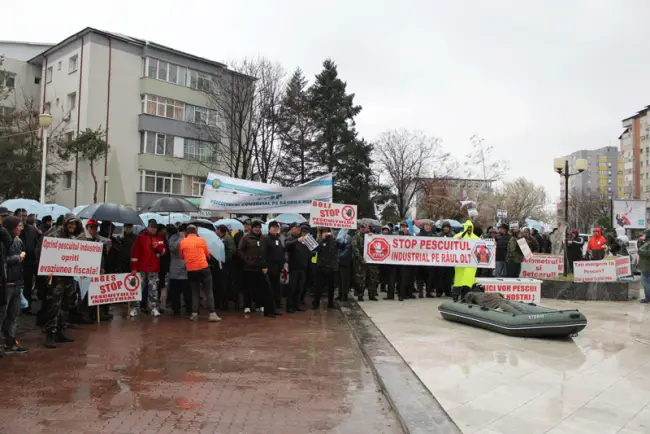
pixel 536 79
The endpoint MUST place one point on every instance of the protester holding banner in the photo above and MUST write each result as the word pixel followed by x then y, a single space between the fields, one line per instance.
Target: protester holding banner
pixel 60 295
pixel 429 275
pixel 515 256
pixel 13 287
pixel 327 267
pixel 502 240
pixel 446 274
pixel 367 275
pixel 388 273
pixel 464 276
pixel 574 248
pixel 145 259
pixel 345 265
pixel 92 234
pixel 596 246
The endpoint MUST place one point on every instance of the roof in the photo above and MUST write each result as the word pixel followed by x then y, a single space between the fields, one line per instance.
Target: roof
pixel 639 113
pixel 42 44
pixel 627 130
pixel 128 40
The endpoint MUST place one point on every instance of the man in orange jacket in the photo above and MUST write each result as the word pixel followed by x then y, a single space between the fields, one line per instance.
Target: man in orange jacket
pixel 194 251
pixel 596 245
pixel 145 259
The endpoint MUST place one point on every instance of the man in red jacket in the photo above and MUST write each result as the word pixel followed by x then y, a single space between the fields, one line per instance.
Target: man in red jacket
pixel 145 259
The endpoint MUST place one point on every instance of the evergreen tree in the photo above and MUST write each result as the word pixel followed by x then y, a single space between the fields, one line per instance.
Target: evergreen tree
pixel 297 164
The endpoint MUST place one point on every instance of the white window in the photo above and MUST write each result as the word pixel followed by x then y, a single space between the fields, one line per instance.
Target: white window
pixel 160 182
pixel 204 82
pixel 72 64
pixel 166 71
pixel 192 78
pixel 163 107
pixel 152 69
pixel 198 150
pixel 196 186
pixel 155 143
pixel 200 115
pixel 48 75
pixel 72 101
pixel 5 112
pixel 7 79
pixel 162 70
pixel 67 180
pixel 48 108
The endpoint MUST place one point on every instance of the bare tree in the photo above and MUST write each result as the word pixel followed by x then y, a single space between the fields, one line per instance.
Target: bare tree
pixel 520 198
pixel 247 99
pixel 586 208
pixel 408 159
pixel 481 165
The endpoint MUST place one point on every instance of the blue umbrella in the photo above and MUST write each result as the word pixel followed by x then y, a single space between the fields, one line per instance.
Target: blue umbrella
pixel 151 215
pixel 32 206
pixel 215 245
pixel 452 223
pixel 77 209
pixel 54 211
pixel 288 218
pixel 233 224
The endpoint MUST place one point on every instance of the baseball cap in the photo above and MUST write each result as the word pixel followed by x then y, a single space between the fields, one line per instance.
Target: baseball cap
pixel 92 223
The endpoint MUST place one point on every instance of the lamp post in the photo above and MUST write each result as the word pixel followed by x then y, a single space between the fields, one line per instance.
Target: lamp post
pixel 44 121
pixel 561 166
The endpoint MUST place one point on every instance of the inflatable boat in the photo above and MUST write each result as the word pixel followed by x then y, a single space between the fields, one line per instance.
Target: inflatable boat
pixel 529 321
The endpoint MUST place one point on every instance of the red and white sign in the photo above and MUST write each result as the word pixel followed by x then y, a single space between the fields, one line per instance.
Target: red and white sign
pixel 114 288
pixel 526 290
pixel 542 267
pixel 594 271
pixel 66 257
pixel 523 246
pixel 333 215
pixel 432 251
pixel 623 266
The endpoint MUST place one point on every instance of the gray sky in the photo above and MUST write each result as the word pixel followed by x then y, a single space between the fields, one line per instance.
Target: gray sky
pixel 535 79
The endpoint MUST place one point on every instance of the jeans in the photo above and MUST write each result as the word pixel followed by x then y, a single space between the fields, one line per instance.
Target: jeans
pixel 9 312
pixel 500 270
pixel 645 281
pixel 197 279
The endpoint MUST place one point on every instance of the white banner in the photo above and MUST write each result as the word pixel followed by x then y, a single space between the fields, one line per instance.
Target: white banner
pixel 443 252
pixel 513 225
pixel 66 257
pixel 623 266
pixel 526 290
pixel 310 242
pixel 114 288
pixel 523 245
pixel 542 267
pixel 239 196
pixel 594 271
pixel 502 213
pixel 630 214
pixel 333 215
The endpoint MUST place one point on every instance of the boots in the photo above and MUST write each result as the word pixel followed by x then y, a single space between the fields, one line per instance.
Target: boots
pixel 50 340
pixel 60 337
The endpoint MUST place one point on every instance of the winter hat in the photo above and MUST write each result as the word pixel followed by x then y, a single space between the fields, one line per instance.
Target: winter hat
pixel 4 212
pixel 59 221
pixel 256 224
pixel 47 218
pixel 11 223
pixel 274 224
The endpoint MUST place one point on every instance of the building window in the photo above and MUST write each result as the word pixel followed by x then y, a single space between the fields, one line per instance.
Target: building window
pixel 48 75
pixel 72 101
pixel 7 79
pixel 198 150
pixel 37 80
pixel 72 64
pixel 196 186
pixel 158 144
pixel 163 107
pixel 48 108
pixel 160 182
pixel 6 112
pixel 69 136
pixel 201 115
pixel 58 65
pixel 166 71
pixel 67 180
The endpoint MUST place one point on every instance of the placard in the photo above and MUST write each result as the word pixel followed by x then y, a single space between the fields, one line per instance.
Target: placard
pixel 69 257
pixel 526 290
pixel 502 213
pixel 114 288
pixel 333 215
pixel 429 251
pixel 623 266
pixel 513 225
pixel 310 242
pixel 594 271
pixel 542 267
pixel 523 245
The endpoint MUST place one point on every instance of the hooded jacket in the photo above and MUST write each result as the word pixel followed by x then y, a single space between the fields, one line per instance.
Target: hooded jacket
pixel 466 276
pixel 146 253
pixel 63 231
pixel 596 245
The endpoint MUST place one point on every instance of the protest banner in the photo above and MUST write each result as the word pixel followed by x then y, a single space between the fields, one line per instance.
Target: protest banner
pixel 623 266
pixel 333 215
pixel 523 246
pixel 513 225
pixel 67 257
pixel 431 251
pixel 542 267
pixel 502 213
pixel 232 195
pixel 594 271
pixel 310 242
pixel 526 290
pixel 114 288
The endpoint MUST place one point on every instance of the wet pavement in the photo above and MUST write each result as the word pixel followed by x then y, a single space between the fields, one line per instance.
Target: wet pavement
pixel 597 382
pixel 295 374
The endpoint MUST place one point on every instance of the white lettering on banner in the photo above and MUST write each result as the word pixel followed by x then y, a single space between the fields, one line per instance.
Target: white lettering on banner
pixel 445 252
pixel 232 195
pixel 523 245
pixel 333 215
pixel 114 288
pixel 594 271
pixel 526 290
pixel 623 266
pixel 542 266
pixel 69 257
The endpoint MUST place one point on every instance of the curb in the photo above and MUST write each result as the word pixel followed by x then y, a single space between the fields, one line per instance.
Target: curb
pixel 416 408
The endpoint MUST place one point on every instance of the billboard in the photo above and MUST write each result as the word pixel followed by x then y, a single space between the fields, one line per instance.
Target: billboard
pixel 629 214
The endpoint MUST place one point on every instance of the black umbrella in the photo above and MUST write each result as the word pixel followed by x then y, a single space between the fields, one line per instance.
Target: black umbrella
pixel 202 223
pixel 112 212
pixel 171 204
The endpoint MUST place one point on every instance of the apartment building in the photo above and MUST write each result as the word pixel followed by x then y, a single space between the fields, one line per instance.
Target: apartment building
pixel 635 147
pixel 156 106
pixel 605 174
pixel 20 79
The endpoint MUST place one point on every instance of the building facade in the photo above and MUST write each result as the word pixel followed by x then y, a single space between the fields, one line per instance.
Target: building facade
pixel 635 147
pixel 155 106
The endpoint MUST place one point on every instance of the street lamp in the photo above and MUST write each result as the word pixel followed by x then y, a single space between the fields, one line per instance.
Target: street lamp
pixel 561 166
pixel 44 121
